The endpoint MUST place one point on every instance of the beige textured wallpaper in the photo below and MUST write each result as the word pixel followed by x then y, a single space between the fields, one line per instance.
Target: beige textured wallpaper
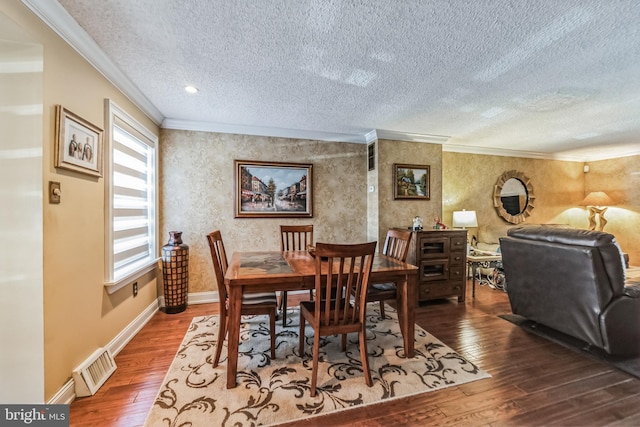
pixel 559 187
pixel 400 213
pixel 197 193
pixel 470 180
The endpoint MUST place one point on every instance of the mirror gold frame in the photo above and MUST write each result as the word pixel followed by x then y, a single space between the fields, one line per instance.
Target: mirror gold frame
pixel 497 202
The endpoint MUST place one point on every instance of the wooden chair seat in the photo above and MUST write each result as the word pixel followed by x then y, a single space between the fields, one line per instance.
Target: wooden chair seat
pixel 252 304
pixel 261 298
pixel 382 287
pixel 396 245
pixel 339 306
pixel 294 238
pixel 381 292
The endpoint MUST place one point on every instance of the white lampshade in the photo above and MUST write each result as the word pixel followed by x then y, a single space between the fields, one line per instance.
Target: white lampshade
pixel 464 219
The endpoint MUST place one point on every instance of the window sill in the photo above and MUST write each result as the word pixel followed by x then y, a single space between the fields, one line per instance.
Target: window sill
pixel 134 275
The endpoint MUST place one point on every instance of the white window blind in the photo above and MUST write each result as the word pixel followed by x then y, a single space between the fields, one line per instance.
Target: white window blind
pixel 132 246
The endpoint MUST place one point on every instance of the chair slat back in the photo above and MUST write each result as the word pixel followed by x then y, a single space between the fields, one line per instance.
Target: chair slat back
pixel 340 268
pixel 219 258
pixel 295 237
pixel 396 244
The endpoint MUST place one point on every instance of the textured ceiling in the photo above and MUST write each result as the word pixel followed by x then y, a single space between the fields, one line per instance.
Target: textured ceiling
pixel 545 77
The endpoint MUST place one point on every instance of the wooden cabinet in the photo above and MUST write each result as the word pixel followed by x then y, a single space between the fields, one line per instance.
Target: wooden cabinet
pixel 441 259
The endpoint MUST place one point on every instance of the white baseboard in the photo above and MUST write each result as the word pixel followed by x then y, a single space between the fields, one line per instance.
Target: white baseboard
pixel 203 297
pixel 122 339
pixel 196 298
pixel 67 393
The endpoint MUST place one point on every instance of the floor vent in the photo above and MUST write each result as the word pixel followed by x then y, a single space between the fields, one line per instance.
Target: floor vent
pixel 90 376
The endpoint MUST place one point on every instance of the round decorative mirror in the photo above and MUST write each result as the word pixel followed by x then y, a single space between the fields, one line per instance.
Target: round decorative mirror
pixel 513 197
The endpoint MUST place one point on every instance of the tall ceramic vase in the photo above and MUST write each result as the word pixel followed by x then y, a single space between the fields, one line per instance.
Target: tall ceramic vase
pixel 175 271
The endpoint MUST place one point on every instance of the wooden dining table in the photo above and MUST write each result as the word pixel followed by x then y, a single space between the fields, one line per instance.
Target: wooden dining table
pixel 295 270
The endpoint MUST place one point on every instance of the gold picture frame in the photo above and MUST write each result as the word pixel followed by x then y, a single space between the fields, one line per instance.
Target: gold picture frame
pixel 273 189
pixel 78 143
pixel 411 182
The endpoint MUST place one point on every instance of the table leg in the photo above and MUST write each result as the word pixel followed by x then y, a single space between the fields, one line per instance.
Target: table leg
pixel 474 270
pixel 406 297
pixel 233 340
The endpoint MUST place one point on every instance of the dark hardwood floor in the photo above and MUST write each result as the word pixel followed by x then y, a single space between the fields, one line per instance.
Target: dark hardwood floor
pixel 534 382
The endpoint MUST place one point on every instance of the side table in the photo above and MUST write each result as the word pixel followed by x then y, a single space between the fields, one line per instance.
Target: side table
pixel 477 259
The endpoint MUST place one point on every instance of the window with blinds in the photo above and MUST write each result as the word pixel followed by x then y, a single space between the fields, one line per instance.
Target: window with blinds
pixel 131 200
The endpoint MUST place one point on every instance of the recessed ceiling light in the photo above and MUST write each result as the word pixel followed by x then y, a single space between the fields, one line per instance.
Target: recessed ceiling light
pixel 191 89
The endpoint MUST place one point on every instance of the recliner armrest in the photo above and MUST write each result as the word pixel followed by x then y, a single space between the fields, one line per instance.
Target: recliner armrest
pixel 619 321
pixel 632 291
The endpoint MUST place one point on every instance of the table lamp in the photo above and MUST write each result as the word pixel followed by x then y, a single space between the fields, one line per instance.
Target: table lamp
pixel 463 219
pixel 597 203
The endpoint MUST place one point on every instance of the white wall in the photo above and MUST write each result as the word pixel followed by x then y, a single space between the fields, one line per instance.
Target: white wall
pixel 21 193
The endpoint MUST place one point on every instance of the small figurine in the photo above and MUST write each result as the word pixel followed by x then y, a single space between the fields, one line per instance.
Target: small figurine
pixel 417 223
pixel 438 224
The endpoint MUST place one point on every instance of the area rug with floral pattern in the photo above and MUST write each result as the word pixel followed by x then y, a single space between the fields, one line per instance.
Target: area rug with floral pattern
pixel 273 391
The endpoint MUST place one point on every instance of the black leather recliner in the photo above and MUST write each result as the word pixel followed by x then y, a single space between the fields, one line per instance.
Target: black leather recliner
pixel 573 281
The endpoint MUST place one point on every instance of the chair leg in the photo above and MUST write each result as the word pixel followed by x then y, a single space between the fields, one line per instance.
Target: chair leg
pixel 344 342
pixel 272 326
pixel 283 307
pixel 301 341
pixel 222 333
pixel 314 370
pixel 382 315
pixel 364 358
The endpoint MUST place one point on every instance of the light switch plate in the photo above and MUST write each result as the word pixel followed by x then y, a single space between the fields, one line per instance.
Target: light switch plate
pixel 54 192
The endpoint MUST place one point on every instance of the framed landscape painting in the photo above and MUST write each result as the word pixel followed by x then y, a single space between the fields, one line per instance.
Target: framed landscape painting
pixel 273 189
pixel 411 182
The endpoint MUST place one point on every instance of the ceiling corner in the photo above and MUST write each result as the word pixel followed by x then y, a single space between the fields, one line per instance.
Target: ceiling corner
pixel 59 20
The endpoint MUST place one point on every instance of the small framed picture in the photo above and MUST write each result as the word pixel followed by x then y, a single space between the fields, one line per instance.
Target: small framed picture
pixel 78 143
pixel 411 182
pixel 273 189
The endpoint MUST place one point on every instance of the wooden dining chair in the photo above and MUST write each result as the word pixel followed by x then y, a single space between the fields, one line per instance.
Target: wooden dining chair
pixel 396 245
pixel 293 238
pixel 339 268
pixel 252 304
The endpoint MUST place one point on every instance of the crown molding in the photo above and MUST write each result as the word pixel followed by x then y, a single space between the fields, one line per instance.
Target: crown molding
pixel 59 20
pixel 611 154
pixel 411 137
pixel 467 149
pixel 375 134
pixel 576 156
pixel 263 131
pixel 371 136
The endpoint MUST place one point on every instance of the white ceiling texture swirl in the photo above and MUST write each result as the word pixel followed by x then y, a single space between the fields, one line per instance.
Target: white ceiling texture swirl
pixel 539 78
